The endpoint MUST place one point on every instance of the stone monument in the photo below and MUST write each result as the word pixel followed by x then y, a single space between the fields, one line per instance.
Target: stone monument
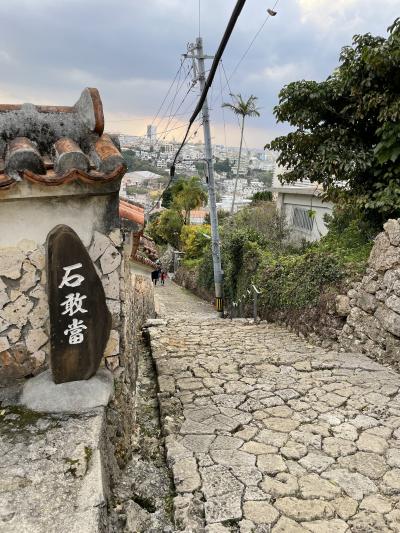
pixel 80 321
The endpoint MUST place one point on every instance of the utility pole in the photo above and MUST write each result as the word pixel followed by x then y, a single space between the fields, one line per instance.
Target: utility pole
pixel 195 51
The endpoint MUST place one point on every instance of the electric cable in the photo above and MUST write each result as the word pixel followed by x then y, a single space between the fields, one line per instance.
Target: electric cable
pixel 172 117
pixel 170 106
pixel 217 58
pixel 228 32
pixel 169 90
pixel 252 41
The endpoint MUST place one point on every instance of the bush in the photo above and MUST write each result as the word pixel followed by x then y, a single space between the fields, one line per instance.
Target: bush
pixel 194 240
pixel 296 281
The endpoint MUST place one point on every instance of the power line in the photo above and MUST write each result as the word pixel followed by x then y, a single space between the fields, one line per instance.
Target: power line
pixel 171 103
pixel 172 116
pixel 217 58
pixel 228 32
pixel 252 41
pixel 169 90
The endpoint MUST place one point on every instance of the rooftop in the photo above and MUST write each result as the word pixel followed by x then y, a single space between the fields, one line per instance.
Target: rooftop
pixel 131 212
pixel 53 145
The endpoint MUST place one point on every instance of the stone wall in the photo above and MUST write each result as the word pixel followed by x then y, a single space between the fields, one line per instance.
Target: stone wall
pixel 137 304
pixel 373 305
pixel 24 312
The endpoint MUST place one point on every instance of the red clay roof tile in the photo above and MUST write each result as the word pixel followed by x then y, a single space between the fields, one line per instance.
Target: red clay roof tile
pixel 53 145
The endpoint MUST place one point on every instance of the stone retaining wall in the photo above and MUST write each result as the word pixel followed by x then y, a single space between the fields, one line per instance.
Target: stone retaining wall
pixel 137 304
pixel 373 305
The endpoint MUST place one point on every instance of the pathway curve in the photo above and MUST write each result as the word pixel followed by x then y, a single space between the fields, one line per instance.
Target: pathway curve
pixel 265 432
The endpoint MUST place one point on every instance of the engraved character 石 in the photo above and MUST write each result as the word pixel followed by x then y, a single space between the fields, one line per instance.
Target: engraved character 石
pixel 71 280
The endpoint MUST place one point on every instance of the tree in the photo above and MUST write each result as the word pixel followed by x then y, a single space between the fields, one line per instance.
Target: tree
pixel 195 239
pixel 261 196
pixel 347 128
pixel 242 108
pixel 167 227
pixel 187 195
pixel 222 166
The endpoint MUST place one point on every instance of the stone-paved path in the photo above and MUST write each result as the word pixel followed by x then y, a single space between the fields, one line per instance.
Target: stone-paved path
pixel 268 433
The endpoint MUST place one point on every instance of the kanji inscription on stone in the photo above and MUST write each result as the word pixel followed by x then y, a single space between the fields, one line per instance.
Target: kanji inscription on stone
pixel 80 321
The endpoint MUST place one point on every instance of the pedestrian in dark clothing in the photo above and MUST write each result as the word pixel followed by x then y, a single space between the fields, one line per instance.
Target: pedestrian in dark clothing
pixel 155 275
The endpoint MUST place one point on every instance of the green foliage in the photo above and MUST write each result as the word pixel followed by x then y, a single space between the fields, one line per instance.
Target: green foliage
pixel 191 263
pixel 222 216
pixel 187 195
pixel 296 281
pixel 167 227
pixel 347 134
pixel 205 276
pixel 349 239
pixel 264 221
pixel 136 190
pixel 223 166
pixel 261 196
pixel 194 240
pixel 242 107
pixel 184 195
pixel 264 176
pixel 255 249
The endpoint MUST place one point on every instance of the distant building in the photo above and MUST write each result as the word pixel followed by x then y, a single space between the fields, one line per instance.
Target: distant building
pixel 303 207
pixel 151 132
pixel 197 216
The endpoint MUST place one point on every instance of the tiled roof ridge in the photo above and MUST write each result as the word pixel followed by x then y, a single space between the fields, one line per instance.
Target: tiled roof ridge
pixel 145 260
pixel 54 145
pixel 132 213
pixel 131 202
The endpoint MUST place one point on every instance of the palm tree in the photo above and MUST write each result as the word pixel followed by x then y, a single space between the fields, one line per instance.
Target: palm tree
pixel 243 108
pixel 189 194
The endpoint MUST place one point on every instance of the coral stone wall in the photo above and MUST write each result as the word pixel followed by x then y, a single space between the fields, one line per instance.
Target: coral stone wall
pixel 24 312
pixel 373 305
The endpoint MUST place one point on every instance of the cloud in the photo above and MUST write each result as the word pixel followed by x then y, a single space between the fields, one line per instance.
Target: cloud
pixel 341 16
pixel 326 13
pixel 284 73
pixel 130 50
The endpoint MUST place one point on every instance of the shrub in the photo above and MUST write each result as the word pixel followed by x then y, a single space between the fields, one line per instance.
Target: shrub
pixel 194 240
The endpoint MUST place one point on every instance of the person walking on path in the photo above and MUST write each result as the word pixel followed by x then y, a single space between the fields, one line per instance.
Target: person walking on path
pixel 164 276
pixel 155 276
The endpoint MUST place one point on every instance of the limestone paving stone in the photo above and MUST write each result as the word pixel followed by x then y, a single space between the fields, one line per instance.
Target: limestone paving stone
pixel 345 507
pixel 312 486
pixel 271 464
pixel 219 509
pixel 326 526
pixel 316 462
pixel 304 509
pixel 260 512
pixel 218 480
pixel 283 484
pixel 186 475
pixel 353 484
pixel 271 433
pixel 286 525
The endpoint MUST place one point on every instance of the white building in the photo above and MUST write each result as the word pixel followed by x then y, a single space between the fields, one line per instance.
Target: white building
pixel 303 207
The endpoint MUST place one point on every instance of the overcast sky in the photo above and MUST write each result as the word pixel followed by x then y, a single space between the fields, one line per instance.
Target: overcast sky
pixel 130 50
